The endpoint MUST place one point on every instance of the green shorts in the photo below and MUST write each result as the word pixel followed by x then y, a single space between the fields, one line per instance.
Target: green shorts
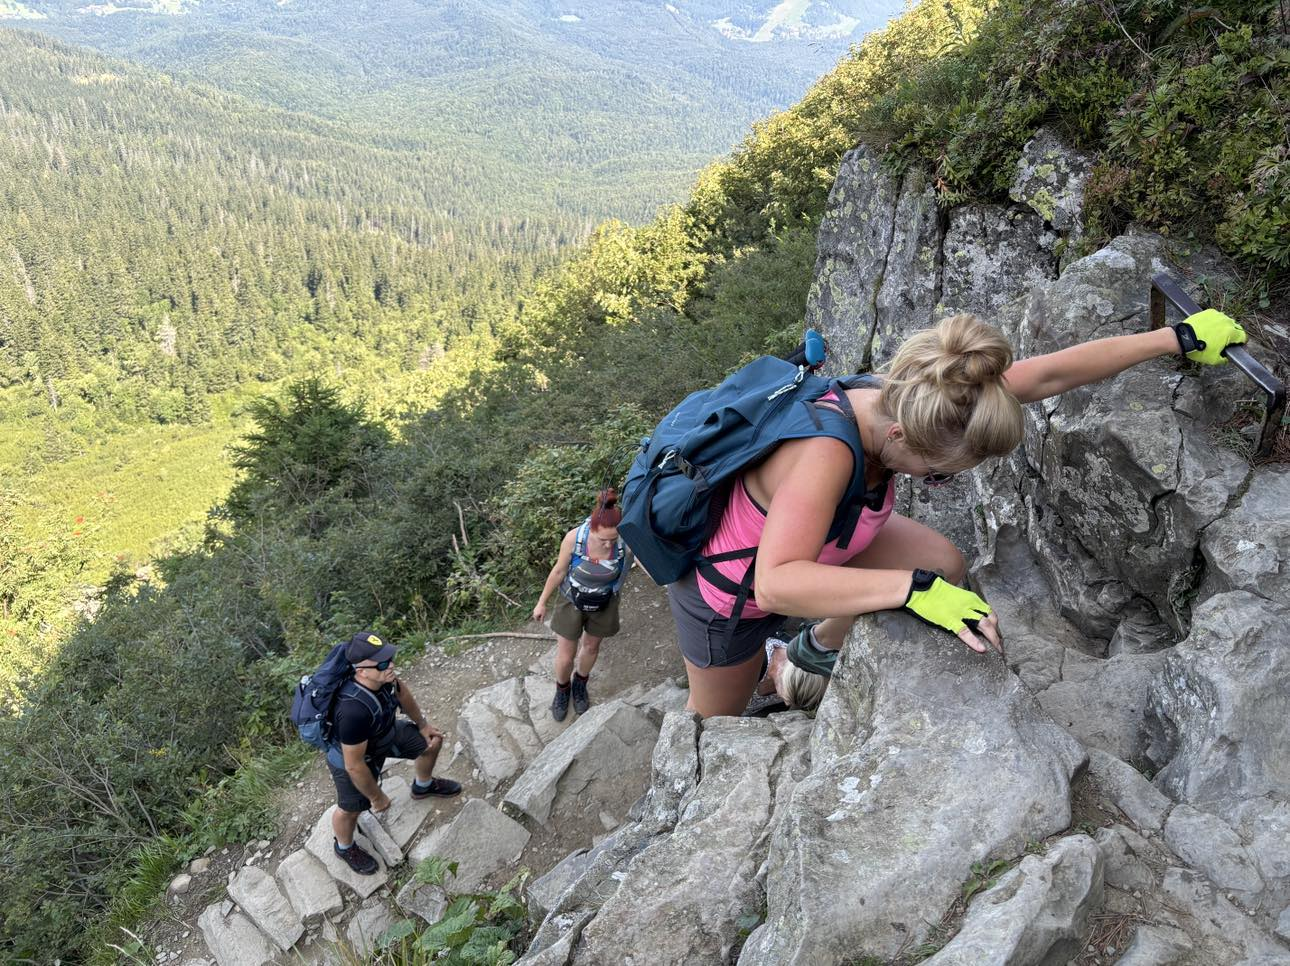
pixel 568 621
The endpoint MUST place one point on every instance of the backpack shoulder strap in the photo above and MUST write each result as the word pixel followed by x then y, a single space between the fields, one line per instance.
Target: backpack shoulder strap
pixel 355 691
pixel 580 540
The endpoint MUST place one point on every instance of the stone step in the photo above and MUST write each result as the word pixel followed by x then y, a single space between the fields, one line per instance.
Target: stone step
pixel 480 839
pixel 406 815
pixel 233 939
pixel 389 850
pixel 320 844
pixel 308 887
pixel 367 925
pixel 264 904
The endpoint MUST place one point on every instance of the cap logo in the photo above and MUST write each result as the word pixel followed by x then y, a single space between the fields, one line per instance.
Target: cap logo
pixel 374 640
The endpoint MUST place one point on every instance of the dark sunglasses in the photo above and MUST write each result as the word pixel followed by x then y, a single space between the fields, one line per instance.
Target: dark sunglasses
pixel 937 479
pixel 378 666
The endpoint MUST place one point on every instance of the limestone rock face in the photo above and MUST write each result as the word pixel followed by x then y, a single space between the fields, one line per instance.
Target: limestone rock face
pixel 681 898
pixel 682 881
pixel 993 255
pixel 1050 180
pixel 853 242
pixel 1249 547
pixel 925 758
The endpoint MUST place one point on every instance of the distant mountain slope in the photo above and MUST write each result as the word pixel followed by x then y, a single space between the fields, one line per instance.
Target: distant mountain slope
pixel 160 241
pixel 607 108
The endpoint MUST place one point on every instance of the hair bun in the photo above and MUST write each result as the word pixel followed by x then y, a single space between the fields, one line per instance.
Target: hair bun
pixel 608 498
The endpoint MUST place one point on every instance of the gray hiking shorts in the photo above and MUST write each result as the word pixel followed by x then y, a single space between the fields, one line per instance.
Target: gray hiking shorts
pixel 701 631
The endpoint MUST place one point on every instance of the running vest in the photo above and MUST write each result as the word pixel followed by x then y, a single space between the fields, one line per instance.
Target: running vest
pixel 591 584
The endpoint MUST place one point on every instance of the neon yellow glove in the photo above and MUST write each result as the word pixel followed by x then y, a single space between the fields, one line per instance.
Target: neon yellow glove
pixel 941 604
pixel 1203 336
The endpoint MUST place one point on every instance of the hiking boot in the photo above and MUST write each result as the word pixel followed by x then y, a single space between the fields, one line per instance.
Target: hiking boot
pixel 357 859
pixel 580 700
pixel 437 786
pixel 560 703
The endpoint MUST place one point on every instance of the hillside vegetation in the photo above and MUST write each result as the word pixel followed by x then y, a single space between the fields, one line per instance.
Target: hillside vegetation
pixel 337 522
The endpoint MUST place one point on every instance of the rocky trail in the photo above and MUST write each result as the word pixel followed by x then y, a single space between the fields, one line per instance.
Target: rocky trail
pixel 325 904
pixel 1117 790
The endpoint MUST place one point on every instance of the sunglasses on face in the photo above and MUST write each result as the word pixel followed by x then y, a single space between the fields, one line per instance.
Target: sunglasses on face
pixel 937 479
pixel 378 666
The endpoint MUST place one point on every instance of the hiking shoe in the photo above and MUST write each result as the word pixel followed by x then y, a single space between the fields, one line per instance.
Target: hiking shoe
pixel 805 655
pixel 560 703
pixel 437 786
pixel 580 700
pixel 357 859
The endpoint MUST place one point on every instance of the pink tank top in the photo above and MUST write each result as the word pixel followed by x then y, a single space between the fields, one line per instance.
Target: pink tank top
pixel 742 525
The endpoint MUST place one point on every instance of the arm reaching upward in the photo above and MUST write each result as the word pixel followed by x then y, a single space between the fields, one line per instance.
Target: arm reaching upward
pixel 1202 336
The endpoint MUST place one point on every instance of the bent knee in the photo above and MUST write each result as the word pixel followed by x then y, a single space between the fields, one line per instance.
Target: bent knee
pixel 954 564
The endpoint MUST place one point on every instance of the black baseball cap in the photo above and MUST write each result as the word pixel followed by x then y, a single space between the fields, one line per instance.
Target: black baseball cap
pixel 366 646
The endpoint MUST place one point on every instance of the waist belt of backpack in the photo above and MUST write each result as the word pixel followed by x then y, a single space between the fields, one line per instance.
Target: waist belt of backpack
pixel 741 591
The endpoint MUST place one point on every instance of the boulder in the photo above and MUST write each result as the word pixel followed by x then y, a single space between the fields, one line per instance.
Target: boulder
pixel 558 953
pixel 1155 945
pixel 600 762
pixel 1124 863
pixel 266 906
pixel 659 700
pixel 233 940
pixel 497 730
pixel 925 759
pixel 1036 913
pixel 1193 895
pixel 1206 843
pixel 1104 703
pixel 308 887
pixel 543 892
pixel 1129 790
pixel 1221 709
pixel 480 839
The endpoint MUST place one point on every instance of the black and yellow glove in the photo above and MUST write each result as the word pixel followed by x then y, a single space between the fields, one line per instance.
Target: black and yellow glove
pixel 940 603
pixel 1204 335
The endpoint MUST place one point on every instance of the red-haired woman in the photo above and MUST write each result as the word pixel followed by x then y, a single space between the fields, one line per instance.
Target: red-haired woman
pixel 590 570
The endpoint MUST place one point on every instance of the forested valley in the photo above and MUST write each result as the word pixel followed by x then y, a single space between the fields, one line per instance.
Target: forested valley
pixel 153 731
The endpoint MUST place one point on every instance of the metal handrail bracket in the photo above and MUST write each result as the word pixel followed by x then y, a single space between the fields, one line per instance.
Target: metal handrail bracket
pixel 1166 291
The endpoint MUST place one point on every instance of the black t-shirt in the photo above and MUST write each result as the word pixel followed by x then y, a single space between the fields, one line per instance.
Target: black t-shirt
pixel 354 722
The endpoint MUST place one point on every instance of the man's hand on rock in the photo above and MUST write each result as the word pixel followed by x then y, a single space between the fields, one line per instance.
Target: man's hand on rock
pixel 380 804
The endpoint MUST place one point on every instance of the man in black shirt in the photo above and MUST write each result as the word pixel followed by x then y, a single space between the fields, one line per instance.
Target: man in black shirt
pixel 366 725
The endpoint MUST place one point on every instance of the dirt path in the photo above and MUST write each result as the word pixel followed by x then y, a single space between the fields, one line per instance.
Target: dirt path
pixel 643 653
